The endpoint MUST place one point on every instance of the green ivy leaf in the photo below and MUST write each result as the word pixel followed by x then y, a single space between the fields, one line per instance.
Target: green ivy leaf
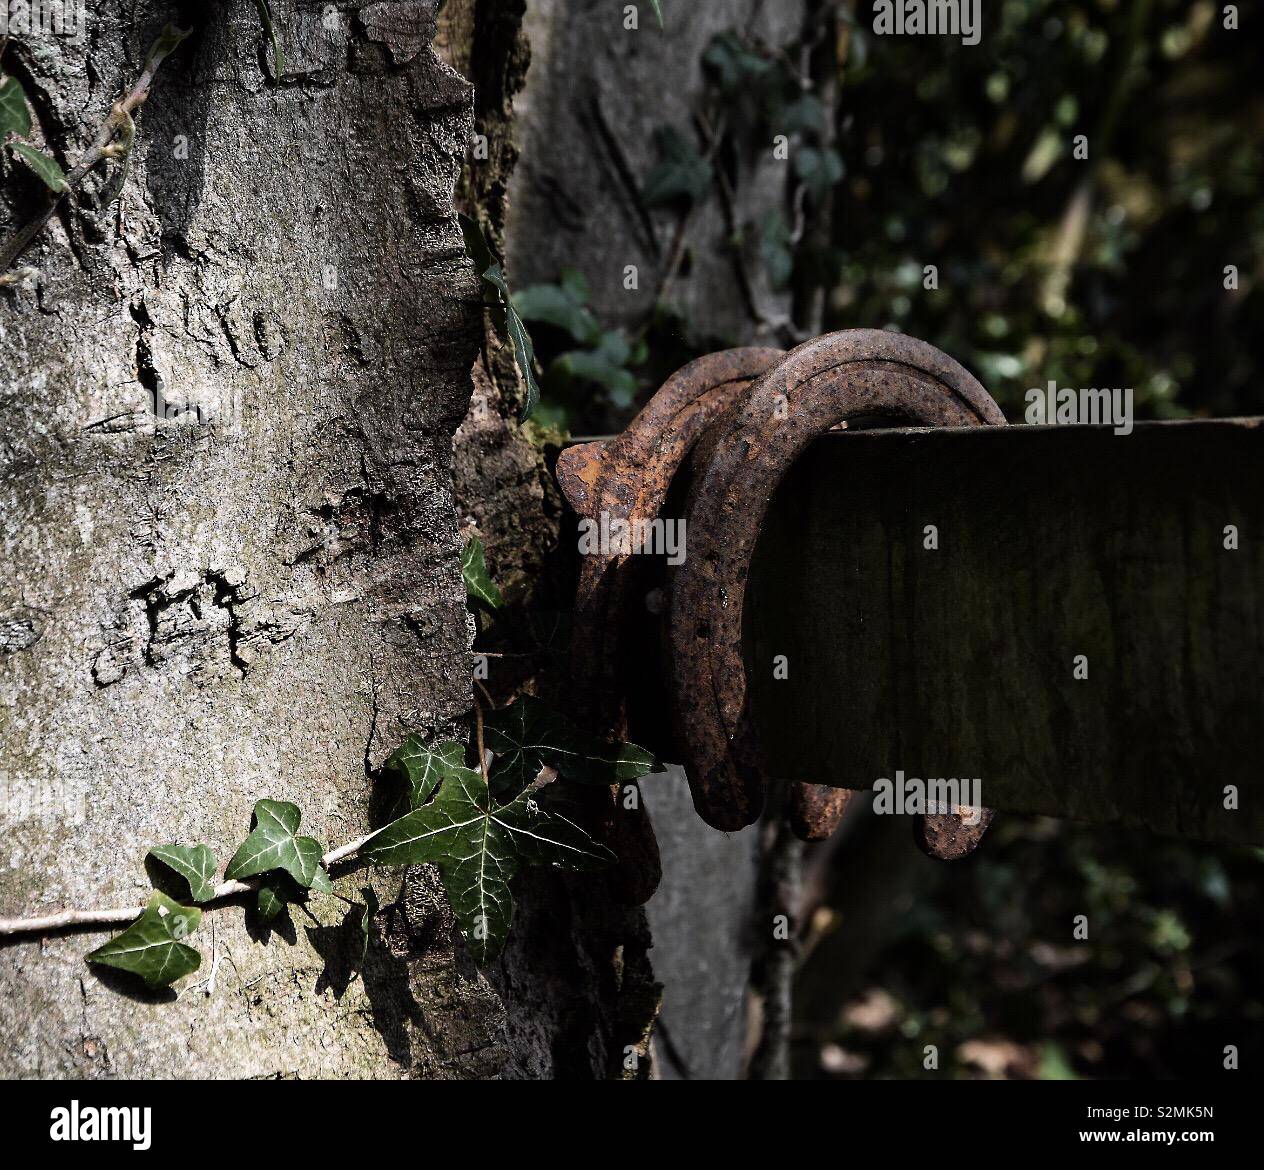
pixel 15 116
pixel 528 735
pixel 524 351
pixel 273 845
pixel 658 11
pixel 194 863
pixel 735 67
pixel 270 900
pixel 478 582
pixel 479 847
pixel 804 115
pixel 476 246
pixel 606 365
pixel 818 169
pixel 505 315
pixel 265 15
pixel 153 946
pixel 563 305
pixel 322 883
pixel 423 767
pixel 45 168
pixel 681 173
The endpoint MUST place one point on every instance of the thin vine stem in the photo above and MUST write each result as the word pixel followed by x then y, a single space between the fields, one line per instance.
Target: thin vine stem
pixel 66 919
pixel 230 888
pixel 103 146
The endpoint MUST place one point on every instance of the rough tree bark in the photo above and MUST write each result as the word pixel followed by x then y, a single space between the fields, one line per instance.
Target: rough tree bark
pixel 231 554
pixel 588 121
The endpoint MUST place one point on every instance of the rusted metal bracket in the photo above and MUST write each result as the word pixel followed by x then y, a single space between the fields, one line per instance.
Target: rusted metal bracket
pixel 746 414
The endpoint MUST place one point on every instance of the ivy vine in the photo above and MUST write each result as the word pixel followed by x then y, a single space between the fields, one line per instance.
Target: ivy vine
pixel 502 307
pixel 479 585
pixel 478 822
pixel 113 142
pixel 480 825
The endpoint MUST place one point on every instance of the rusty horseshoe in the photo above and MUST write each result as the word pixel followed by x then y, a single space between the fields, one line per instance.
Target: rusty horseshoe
pixel 628 479
pixel 819 384
pixel 746 414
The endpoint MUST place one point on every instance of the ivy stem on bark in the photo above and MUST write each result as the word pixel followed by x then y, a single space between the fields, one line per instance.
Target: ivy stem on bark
pixel 226 889
pixel 103 146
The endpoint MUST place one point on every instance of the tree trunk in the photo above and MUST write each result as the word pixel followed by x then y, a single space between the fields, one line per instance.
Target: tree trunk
pixel 595 96
pixel 232 556
pixel 589 116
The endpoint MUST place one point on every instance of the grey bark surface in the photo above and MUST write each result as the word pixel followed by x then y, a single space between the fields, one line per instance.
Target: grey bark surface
pixel 702 922
pixel 231 556
pixel 588 116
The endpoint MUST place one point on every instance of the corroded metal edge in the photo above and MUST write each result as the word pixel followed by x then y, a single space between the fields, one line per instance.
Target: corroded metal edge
pixel 749 413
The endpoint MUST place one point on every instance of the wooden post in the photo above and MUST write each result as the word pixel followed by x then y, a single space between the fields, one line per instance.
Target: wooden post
pixel 1071 616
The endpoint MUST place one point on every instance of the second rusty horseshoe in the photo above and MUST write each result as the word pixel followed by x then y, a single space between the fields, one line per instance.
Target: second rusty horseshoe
pixel 627 479
pixel 819 384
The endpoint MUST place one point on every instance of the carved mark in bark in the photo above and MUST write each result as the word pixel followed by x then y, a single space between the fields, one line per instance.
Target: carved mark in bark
pixel 205 624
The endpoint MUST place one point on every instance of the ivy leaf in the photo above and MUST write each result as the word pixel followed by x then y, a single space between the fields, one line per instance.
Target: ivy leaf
pixel 735 67
pixel 322 883
pixel 15 116
pixel 505 315
pixel 479 847
pixel 45 168
pixel 658 11
pixel 681 173
pixel 273 845
pixel 423 767
pixel 478 582
pixel 194 863
pixel 524 351
pixel 804 115
pixel 265 15
pixel 563 305
pixel 528 735
pixel 276 893
pixel 153 947
pixel 606 365
pixel 819 170
pixel 270 900
pixel 476 246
